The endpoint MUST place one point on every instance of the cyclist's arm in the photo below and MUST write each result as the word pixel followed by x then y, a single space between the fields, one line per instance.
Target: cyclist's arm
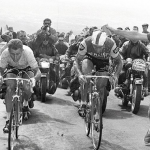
pixel 37 73
pixel 82 50
pixel 33 64
pixel 117 59
pixel 3 61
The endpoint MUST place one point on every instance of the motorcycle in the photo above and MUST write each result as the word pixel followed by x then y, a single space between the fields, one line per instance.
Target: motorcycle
pixel 65 72
pixel 133 91
pixel 46 83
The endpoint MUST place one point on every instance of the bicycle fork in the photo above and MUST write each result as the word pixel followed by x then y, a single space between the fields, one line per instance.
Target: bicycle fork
pixel 17 110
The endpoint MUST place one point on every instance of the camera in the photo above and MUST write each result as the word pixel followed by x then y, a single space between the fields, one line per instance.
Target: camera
pixel 45 27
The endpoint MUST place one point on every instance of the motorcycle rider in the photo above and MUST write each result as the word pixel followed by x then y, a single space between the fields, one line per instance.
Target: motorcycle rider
pixel 17 57
pixel 43 47
pixel 23 37
pixel 135 50
pixel 132 35
pixel 96 50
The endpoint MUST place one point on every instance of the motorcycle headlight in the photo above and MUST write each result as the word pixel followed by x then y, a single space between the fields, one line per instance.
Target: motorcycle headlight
pixel 44 64
pixel 62 65
pixel 51 60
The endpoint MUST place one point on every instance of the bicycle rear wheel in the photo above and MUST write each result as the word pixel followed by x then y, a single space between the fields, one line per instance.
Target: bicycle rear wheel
pixel 12 131
pixel 96 125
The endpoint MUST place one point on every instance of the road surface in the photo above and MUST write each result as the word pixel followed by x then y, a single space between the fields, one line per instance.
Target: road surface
pixel 56 125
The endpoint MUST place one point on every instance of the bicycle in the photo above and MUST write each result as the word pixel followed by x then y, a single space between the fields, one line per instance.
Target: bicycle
pixel 16 115
pixel 94 105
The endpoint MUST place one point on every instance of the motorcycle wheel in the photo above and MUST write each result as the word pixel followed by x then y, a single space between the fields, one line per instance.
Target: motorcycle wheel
pixel 125 101
pixel 43 89
pixel 104 101
pixel 136 99
pixel 64 84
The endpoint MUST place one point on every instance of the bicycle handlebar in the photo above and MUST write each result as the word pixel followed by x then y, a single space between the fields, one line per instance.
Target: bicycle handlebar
pixel 92 76
pixel 28 80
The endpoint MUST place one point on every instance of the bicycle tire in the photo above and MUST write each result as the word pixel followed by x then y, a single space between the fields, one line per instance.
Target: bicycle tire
pixel 17 118
pixel 87 121
pixel 11 131
pixel 43 89
pixel 96 127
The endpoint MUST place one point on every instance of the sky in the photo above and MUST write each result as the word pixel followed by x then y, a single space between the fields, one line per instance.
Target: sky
pixel 73 15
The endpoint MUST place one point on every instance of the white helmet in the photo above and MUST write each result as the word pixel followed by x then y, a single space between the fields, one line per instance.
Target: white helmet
pixel 99 38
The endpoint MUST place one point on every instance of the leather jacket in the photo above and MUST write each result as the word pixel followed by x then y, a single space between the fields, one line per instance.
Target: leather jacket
pixel 134 50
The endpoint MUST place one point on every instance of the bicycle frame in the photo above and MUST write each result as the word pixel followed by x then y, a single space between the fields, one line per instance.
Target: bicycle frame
pixel 95 105
pixel 16 115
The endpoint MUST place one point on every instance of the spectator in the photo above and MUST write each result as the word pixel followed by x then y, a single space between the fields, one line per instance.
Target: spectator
pixel 10 29
pixel 135 28
pixel 71 37
pixel 121 38
pixel 22 36
pixel 145 30
pixel 60 45
pixel 127 28
pixel 6 38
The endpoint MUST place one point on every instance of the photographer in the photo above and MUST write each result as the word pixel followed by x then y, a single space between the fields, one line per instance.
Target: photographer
pixel 48 30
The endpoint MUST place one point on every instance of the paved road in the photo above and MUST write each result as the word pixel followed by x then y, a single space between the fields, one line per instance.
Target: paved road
pixel 56 125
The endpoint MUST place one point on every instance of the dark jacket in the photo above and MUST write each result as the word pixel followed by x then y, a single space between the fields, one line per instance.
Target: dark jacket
pixel 134 50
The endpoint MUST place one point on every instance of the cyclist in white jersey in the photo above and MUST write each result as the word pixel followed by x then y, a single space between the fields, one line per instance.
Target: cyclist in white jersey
pixel 15 58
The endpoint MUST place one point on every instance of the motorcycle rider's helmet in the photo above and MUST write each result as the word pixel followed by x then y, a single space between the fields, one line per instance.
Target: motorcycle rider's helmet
pixel 65 83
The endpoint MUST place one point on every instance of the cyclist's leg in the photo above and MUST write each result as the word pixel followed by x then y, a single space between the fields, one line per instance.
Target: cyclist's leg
pixel 8 98
pixel 87 67
pixel 27 90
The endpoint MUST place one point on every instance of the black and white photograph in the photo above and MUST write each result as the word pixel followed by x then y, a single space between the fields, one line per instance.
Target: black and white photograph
pixel 74 75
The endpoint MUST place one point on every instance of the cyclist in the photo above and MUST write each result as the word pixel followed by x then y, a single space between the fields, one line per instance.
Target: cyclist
pixel 96 50
pixel 15 58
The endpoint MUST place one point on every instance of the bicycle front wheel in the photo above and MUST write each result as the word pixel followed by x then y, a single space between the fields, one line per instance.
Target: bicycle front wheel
pixel 87 121
pixel 12 131
pixel 96 122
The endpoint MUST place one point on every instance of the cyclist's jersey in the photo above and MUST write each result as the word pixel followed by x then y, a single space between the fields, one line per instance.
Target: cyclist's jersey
pixel 109 49
pixel 27 59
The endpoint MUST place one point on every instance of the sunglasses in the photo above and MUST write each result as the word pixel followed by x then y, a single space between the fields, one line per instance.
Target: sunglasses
pixel 47 23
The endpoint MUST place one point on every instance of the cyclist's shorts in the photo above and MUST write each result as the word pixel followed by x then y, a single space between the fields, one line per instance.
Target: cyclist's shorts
pixel 15 71
pixel 101 64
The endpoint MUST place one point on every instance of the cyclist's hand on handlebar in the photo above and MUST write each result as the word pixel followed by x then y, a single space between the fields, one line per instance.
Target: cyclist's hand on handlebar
pixel 33 81
pixel 82 79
